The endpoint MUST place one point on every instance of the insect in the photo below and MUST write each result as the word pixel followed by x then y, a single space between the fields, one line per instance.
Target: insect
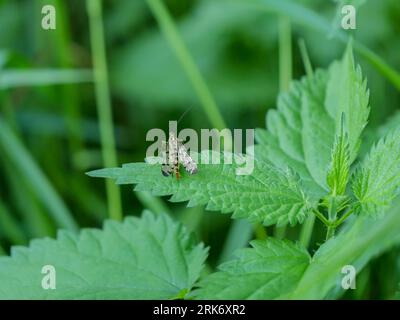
pixel 176 154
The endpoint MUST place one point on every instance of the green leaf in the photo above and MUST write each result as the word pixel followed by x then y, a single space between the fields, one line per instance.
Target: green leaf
pixel 282 144
pixel 377 180
pixel 268 195
pixel 373 135
pixel 338 174
pixel 268 270
pixel 301 132
pixel 147 258
pixel 347 93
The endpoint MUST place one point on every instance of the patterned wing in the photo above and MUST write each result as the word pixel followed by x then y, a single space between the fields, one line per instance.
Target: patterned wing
pixel 186 159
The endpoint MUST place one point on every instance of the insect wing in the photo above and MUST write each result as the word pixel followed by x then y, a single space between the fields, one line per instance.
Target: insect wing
pixel 186 160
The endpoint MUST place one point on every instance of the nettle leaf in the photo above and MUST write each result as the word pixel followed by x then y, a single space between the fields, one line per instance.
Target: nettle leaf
pixel 268 270
pixel 302 130
pixel 347 94
pixel 338 174
pixel 377 180
pixel 373 135
pixel 268 195
pixel 282 143
pixel 148 258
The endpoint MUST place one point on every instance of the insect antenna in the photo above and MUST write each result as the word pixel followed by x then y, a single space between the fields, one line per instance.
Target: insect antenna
pixel 184 114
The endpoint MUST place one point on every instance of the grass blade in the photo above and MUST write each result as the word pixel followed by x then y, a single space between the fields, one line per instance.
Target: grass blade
pixel 11 78
pixel 10 227
pixel 308 18
pixel 167 25
pixel 23 161
pixel 103 101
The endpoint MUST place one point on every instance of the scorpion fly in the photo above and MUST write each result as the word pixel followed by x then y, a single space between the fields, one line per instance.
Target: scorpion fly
pixel 174 155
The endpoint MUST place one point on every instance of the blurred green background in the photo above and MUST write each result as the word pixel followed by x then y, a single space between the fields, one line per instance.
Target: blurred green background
pixel 50 129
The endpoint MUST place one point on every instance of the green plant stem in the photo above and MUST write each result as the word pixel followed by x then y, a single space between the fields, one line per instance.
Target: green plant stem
pixel 103 101
pixel 171 33
pixel 152 203
pixel 2 251
pixel 69 93
pixel 305 57
pixel 285 75
pixel 285 53
pixel 332 214
pixel 306 231
pixel 10 228
pixel 308 226
pixel 238 237
pixel 260 232
pixel 321 217
pixel 356 245
pixel 344 217
pixel 330 232
pixel 22 160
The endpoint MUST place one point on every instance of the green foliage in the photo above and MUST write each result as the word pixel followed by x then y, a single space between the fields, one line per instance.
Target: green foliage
pixel 360 241
pixel 147 258
pixel 302 164
pixel 308 160
pixel 267 271
pixel 338 174
pixel 269 195
pixel 301 132
pixel 347 94
pixel 377 180
pixel 284 142
pixel 373 135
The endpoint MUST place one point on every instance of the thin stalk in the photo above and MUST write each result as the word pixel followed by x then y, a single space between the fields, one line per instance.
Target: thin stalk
pixel 285 74
pixel 239 235
pixel 176 42
pixel 69 93
pixel 321 217
pixel 260 232
pixel 191 218
pixel 330 232
pixel 285 53
pixel 103 101
pixel 305 57
pixel 345 216
pixel 332 214
pixel 23 161
pixel 308 226
pixel 306 231
pixel 10 227
pixel 381 65
pixel 153 203
pixel 31 212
